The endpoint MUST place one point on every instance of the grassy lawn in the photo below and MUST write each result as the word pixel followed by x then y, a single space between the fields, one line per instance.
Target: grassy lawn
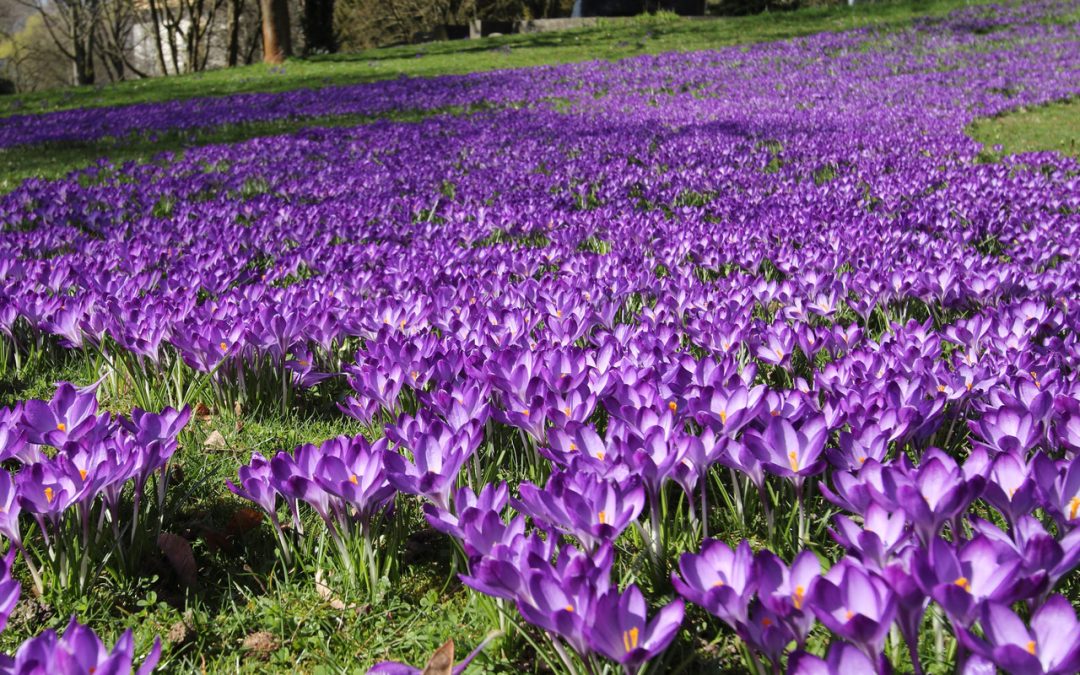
pixel 1050 127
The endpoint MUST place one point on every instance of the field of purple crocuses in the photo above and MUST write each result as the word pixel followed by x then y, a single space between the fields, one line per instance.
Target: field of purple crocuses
pixel 743 360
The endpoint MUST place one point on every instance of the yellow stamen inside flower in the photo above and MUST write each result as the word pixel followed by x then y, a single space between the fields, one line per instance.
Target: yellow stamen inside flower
pixel 304 364
pixel 941 388
pixel 61 427
pixel 723 417
pixel 82 474
pixel 963 583
pixel 558 313
pixel 603 517
pixel 415 374
pixel 567 411
pixel 672 406
pixel 718 584
pixel 862 460
pixel 600 456
pixel 525 412
pixel 1031 647
pixel 774 413
pixel 766 622
pixel 573 447
pixel 630 639
pixel 352 479
pixel 797 597
pixel 569 608
pixel 779 354
pixel 224 347
pixel 968 385
pixel 1074 504
pixel 848 614
pixel 48 494
pixel 793 460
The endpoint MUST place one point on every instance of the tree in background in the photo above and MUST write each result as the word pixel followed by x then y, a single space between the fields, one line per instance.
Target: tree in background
pixel 72 25
pixel 276 31
pixel 116 24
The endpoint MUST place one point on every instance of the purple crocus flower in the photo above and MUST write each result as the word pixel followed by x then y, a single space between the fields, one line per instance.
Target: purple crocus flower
pixel 855 604
pixel 960 580
pixel 438 453
pixel 783 590
pixel 354 471
pixel 934 493
pixel 564 608
pixel 842 659
pixel 593 509
pixel 790 452
pixel 77 652
pixel 69 416
pixel 1007 430
pixel 10 508
pixel 254 484
pixel 718 579
pixel 1051 646
pixel 10 589
pixel 882 534
pixel 619 628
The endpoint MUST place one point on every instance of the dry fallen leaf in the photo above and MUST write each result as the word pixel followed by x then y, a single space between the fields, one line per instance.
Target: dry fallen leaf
pixel 178 552
pixel 442 661
pixel 215 441
pixel 327 593
pixel 244 520
pixel 260 644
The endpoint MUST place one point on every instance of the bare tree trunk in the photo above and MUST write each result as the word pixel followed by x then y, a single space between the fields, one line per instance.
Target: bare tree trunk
pixel 236 8
pixel 155 20
pixel 277 38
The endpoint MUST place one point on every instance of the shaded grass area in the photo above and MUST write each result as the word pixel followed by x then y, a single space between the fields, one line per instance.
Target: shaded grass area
pixel 54 160
pixel 1053 127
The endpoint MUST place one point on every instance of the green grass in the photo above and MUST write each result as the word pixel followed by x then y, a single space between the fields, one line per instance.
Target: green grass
pixel 610 40
pixel 1053 127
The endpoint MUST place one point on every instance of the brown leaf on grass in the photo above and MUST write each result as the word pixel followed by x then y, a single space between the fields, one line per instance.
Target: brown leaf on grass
pixel 178 552
pixel 442 661
pixel 244 520
pixel 203 413
pixel 261 644
pixel 215 441
pixel 215 539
